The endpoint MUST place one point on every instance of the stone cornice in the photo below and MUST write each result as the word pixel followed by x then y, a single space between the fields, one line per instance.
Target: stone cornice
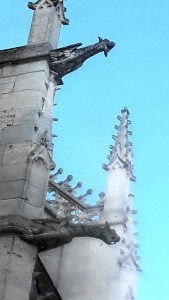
pixel 25 53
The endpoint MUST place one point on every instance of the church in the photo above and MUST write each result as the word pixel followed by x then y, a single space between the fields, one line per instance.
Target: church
pixel 53 244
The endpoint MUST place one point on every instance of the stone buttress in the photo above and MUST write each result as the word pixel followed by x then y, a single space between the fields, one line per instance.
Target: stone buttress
pixel 27 90
pixel 88 268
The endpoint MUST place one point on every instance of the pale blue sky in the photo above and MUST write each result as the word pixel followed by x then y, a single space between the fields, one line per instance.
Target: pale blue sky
pixel 136 75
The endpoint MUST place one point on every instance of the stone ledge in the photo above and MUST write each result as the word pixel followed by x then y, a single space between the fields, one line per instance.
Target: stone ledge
pixel 25 53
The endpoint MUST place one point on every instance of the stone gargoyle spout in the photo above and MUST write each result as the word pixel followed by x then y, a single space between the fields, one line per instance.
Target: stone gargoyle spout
pixel 51 233
pixel 68 59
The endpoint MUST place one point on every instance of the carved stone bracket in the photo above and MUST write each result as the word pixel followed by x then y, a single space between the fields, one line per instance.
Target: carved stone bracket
pixel 68 59
pixel 48 233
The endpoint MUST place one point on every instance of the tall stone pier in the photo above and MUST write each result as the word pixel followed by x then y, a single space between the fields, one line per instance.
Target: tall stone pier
pixel 27 90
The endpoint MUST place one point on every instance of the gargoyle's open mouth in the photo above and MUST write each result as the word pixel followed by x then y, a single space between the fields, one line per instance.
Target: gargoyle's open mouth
pixel 109 45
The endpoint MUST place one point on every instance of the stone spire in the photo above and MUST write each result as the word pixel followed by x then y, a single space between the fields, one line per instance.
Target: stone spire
pixel 47 19
pixel 109 272
pixel 118 208
pixel 119 170
pixel 121 153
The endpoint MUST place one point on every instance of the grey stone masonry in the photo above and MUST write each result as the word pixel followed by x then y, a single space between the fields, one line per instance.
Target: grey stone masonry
pixel 26 101
pixel 47 19
pixel 17 256
pixel 23 54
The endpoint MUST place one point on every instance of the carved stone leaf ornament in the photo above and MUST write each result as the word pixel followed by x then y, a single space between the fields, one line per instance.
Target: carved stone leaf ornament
pixel 41 152
pixel 42 3
pixel 59 4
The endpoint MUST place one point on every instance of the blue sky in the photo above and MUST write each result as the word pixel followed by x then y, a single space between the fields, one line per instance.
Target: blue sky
pixel 136 75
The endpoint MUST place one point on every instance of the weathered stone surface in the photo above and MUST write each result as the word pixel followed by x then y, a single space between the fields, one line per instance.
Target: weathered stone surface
pixel 38 172
pixel 6 88
pixel 8 79
pixel 11 69
pixel 40 65
pixel 25 53
pixel 39 33
pixel 52 261
pixel 10 206
pixel 31 81
pixel 31 212
pixel 26 114
pixel 35 197
pixel 45 26
pixel 37 177
pixel 11 189
pixel 17 153
pixel 16 258
pixel 6 118
pixel 90 269
pixel 21 99
pixel 11 172
pixel 24 68
pixel 2 153
pixel 18 134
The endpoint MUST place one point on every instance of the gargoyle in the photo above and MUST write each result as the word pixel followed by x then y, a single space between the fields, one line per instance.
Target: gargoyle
pixel 51 233
pixel 68 59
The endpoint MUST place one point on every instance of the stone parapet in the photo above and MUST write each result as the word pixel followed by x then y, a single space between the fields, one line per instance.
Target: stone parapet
pixel 25 54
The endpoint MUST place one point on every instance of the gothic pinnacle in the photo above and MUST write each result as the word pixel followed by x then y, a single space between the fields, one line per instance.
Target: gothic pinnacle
pixel 121 151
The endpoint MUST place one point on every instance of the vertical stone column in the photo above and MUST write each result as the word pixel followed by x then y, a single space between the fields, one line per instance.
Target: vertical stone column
pixel 25 132
pixel 26 100
pixel 16 265
pixel 47 19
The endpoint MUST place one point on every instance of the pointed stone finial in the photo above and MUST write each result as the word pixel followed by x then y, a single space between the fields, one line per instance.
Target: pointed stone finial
pixel 47 19
pixel 66 182
pixel 121 151
pixel 101 199
pixel 77 186
pixel 55 175
pixel 83 198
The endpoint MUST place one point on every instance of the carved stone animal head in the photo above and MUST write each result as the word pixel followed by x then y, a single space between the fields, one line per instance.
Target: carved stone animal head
pixel 109 236
pixel 106 45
